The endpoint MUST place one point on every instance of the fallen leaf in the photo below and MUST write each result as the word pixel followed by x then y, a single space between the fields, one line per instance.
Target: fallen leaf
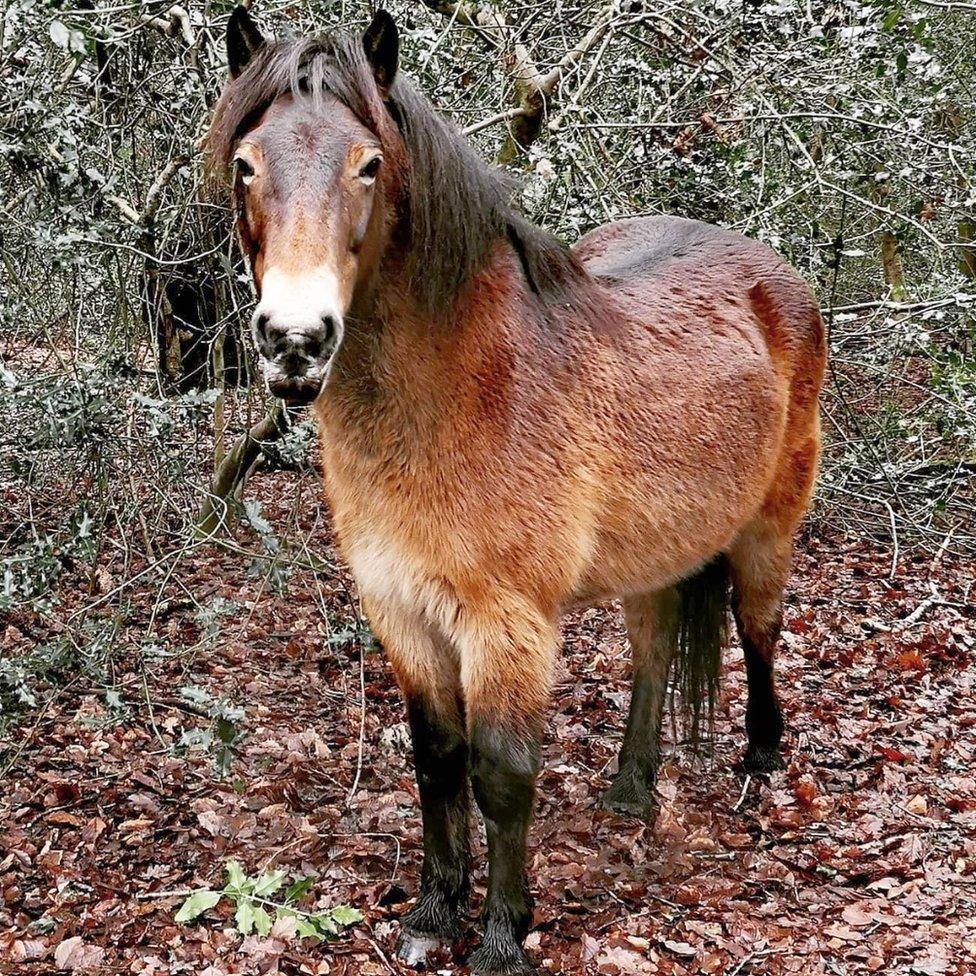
pixel 683 949
pixel 917 805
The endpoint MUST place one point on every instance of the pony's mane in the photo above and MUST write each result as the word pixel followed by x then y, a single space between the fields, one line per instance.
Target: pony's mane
pixel 455 208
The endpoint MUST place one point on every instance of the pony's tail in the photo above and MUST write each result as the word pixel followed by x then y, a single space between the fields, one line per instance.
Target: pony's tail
pixel 702 634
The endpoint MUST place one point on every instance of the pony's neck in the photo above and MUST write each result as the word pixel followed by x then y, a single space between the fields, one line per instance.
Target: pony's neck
pixel 395 352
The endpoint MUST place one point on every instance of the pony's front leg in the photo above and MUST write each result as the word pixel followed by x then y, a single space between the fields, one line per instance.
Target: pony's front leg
pixel 427 672
pixel 440 753
pixel 506 668
pixel 504 764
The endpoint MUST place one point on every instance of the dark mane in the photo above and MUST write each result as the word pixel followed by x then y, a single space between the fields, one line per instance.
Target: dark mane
pixel 455 207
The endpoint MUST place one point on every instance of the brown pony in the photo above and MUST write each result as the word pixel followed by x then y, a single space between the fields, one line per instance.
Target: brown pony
pixel 511 428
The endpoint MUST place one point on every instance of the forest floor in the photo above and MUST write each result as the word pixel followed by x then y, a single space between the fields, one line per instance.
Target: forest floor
pixel 859 857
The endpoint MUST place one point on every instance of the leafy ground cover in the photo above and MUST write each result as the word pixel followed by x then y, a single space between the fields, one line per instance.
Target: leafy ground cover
pixel 246 716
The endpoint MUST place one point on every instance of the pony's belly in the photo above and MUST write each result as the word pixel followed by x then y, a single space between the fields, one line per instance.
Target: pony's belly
pixel 682 479
pixel 644 547
pixel 623 571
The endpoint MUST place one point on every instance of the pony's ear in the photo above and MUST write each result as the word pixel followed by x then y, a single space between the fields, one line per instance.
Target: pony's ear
pixel 382 46
pixel 243 40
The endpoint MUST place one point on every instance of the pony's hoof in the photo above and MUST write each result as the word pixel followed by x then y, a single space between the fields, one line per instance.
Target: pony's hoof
pixel 629 797
pixel 494 960
pixel 414 948
pixel 640 808
pixel 762 760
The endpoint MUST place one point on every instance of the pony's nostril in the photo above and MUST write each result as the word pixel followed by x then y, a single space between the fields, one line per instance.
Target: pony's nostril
pixel 269 336
pixel 313 347
pixel 328 327
pixel 277 340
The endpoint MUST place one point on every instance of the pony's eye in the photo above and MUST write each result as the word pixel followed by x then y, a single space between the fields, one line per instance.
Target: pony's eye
pixel 369 171
pixel 245 169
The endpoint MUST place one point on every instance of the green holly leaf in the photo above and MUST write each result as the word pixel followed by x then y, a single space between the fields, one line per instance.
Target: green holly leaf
pixel 236 879
pixel 324 924
pixel 269 883
pixel 196 904
pixel 344 915
pixel 307 929
pixel 244 916
pixel 298 889
pixel 262 922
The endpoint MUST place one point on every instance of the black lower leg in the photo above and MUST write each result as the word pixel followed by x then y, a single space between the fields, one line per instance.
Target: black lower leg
pixel 440 756
pixel 503 771
pixel 652 625
pixel 640 753
pixel 764 719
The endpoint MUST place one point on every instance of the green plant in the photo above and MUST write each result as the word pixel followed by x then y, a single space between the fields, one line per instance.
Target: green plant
pixel 252 901
pixel 27 679
pixel 224 732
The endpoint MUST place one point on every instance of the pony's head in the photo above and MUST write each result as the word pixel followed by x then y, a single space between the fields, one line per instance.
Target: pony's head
pixel 345 180
pixel 303 127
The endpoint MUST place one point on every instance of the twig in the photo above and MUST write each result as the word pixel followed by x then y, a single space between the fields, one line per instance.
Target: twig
pixel 944 5
pixel 743 962
pixel 176 20
pixel 941 551
pixel 506 116
pixel 362 720
pixel 234 468
pixel 935 599
pixel 918 611
pixel 947 302
pixel 175 893
pixel 383 959
pixel 894 539
pixel 572 57
pixel 154 196
pixel 742 795
pixel 533 89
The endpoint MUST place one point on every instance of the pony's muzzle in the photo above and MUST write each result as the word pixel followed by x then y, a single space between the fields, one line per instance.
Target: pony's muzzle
pixel 295 358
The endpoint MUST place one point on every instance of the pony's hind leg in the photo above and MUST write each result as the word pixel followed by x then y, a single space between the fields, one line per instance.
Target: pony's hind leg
pixel 760 565
pixel 759 559
pixel 652 626
pixel 427 671
pixel 507 659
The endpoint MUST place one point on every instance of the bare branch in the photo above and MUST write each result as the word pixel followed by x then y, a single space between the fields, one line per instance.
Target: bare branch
pixel 507 115
pixel 573 57
pixel 176 20
pixel 155 195
pixel 233 470
pixel 533 89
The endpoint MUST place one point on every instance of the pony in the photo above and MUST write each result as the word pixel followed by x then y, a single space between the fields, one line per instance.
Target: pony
pixel 511 428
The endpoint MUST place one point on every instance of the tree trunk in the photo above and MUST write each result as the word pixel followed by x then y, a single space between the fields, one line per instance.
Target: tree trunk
pixel 967 250
pixel 967 268
pixel 891 266
pixel 233 469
